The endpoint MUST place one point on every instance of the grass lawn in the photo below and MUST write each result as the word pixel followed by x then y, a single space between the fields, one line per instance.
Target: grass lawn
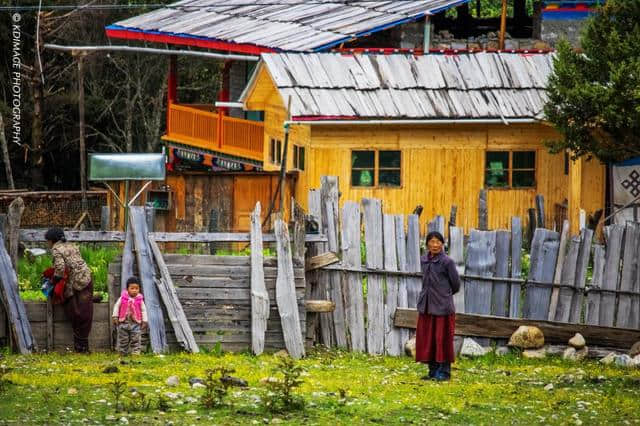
pixel 337 388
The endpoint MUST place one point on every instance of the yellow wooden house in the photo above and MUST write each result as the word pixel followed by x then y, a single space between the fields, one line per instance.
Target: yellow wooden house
pixel 429 130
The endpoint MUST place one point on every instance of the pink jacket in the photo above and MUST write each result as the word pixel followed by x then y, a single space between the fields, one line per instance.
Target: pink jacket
pixel 136 306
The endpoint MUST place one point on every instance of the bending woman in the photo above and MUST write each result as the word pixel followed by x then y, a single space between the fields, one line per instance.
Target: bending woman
pixel 78 288
pixel 437 319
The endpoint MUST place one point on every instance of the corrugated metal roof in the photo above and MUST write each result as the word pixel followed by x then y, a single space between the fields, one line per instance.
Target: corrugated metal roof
pixel 465 86
pixel 286 25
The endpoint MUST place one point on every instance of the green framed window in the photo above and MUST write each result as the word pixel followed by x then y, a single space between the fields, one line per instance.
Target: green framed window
pixel 510 169
pixel 298 157
pixel 376 168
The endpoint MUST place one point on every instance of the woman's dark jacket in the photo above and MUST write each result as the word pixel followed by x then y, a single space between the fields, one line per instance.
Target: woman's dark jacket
pixel 440 281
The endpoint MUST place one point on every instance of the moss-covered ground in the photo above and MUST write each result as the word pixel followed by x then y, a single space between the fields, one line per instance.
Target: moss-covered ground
pixel 339 388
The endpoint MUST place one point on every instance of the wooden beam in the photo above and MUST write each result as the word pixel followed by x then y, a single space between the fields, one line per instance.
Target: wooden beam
pixel 321 260
pixel 37 235
pixel 503 24
pixel 554 332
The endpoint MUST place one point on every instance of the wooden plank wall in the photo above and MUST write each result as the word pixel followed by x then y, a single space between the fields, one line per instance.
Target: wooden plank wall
pixel 215 293
pixel 62 333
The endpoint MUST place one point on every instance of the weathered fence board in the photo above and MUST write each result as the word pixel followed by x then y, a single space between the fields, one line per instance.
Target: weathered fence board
pixel 481 261
pixel 557 277
pixel 437 225
pixel 259 296
pixel 330 223
pixel 627 278
pixel 577 302
pixel 611 274
pixel 456 253
pixel 13 304
pixel 157 332
pixel 392 335
pixel 593 298
pixel 516 266
pixel 353 282
pixel 172 305
pixel 567 277
pixel 372 213
pixel 500 298
pixel 414 285
pixel 544 253
pixel 401 250
pixel 286 293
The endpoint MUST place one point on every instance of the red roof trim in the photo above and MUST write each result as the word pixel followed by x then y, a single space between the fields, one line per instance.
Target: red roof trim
pixel 187 41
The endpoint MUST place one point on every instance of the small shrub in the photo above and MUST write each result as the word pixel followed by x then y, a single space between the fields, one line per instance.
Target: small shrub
pixel 117 389
pixel 139 402
pixel 216 389
pixel 280 396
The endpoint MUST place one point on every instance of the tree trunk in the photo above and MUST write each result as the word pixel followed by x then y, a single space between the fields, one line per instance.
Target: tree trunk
pixel 36 158
pixel 83 178
pixel 5 154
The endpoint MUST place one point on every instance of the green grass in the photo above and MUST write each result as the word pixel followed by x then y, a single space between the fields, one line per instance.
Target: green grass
pixel 339 388
pixel 30 270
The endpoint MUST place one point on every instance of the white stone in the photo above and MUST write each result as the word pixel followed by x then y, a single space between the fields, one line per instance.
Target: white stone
pixel 534 353
pixel 623 360
pixel 173 381
pixel 549 387
pixel 635 361
pixel 124 420
pixel 191 412
pixel 471 348
pixel 502 351
pixel 609 359
pixel 577 341
pixel 171 395
pixel 198 385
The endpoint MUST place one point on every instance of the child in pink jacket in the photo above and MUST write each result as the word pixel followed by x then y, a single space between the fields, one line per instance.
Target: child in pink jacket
pixel 130 316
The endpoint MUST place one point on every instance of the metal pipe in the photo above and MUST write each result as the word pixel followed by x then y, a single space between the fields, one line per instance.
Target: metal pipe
pixel 129 49
pixel 413 122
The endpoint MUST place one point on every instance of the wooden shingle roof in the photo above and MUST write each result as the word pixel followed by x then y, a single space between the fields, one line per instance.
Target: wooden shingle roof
pixel 464 86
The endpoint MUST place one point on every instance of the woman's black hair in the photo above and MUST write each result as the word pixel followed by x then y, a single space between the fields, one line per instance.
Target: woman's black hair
pixel 435 234
pixel 133 280
pixel 55 234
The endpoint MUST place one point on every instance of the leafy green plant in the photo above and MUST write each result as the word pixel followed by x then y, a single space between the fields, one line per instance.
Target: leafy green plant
pixel 139 402
pixel 216 389
pixel 280 396
pixel 117 389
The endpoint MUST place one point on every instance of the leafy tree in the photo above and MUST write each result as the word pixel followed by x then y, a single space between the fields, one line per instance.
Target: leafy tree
pixel 594 95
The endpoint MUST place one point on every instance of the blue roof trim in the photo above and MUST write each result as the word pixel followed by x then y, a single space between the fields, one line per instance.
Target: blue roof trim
pixel 565 15
pixel 630 162
pixel 389 25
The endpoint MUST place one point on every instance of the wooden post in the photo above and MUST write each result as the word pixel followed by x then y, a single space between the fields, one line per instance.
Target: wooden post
pixel 540 211
pixel 500 296
pixel 481 261
pixel 297 217
pixel 503 24
pixel 557 276
pixel 593 297
pixel 105 218
pixel 414 285
pixel 611 274
pixel 401 250
pixel 544 254
pixel 213 227
pixel 5 155
pixel 126 268
pixel 392 335
pixel 456 253
pixel 586 238
pixel 286 292
pixel 574 196
pixel 83 151
pixel 531 229
pixel 259 295
pixel 15 216
pixel 317 281
pixel 426 44
pixel 453 215
pixel 483 220
pixel 627 316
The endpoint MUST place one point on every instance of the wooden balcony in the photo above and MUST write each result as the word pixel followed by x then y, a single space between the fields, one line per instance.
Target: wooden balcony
pixel 199 126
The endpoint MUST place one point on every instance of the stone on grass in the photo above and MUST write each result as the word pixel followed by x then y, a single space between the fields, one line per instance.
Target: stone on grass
pixel 502 351
pixel 527 337
pixel 471 348
pixel 173 381
pixel 282 353
pixel 635 349
pixel 410 347
pixel 549 387
pixel 623 360
pixel 234 381
pixel 577 341
pixel 635 361
pixel 534 353
pixel 609 359
pixel 198 385
pixel 194 380
pixel 171 395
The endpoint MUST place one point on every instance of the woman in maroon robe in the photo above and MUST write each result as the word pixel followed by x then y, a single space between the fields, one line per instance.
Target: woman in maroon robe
pixel 437 319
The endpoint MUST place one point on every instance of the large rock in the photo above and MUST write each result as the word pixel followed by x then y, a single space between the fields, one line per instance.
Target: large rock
pixel 527 337
pixel 534 353
pixel 635 350
pixel 623 360
pixel 572 354
pixel 635 361
pixel 471 348
pixel 577 341
pixel 410 347
pixel 173 381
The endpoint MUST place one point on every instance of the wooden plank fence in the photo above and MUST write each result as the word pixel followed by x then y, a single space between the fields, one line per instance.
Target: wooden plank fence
pixel 555 288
